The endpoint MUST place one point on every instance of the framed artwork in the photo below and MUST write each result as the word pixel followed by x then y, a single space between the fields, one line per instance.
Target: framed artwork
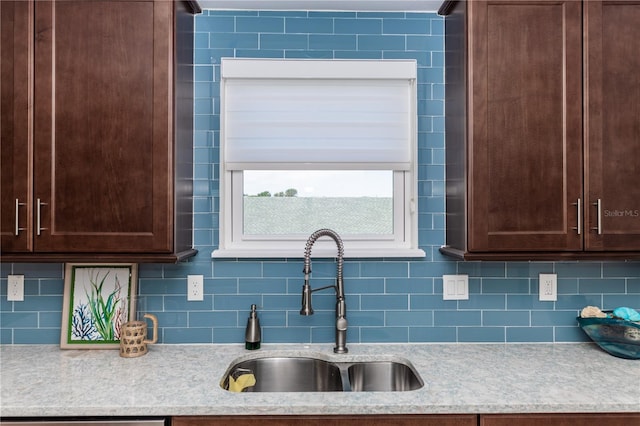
pixel 98 299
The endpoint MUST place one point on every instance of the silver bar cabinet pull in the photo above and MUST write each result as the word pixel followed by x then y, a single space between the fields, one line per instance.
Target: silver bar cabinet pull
pixel 578 205
pixel 38 221
pixel 18 228
pixel 598 205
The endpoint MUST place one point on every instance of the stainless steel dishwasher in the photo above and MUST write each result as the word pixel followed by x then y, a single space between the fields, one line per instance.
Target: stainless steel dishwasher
pixel 86 421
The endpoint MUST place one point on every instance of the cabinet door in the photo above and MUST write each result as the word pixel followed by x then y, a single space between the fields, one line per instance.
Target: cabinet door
pixel 16 48
pixel 612 106
pixel 525 125
pixel 103 126
pixel 559 419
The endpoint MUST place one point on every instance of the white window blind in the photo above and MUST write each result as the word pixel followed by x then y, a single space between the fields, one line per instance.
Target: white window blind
pixel 317 114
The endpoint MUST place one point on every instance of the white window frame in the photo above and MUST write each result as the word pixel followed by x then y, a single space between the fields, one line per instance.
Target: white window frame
pixel 404 242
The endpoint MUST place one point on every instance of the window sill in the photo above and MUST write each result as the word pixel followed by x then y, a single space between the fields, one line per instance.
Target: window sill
pixel 262 253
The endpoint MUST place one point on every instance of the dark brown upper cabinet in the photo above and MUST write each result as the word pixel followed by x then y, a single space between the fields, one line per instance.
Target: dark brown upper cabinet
pixel 542 129
pixel 97 132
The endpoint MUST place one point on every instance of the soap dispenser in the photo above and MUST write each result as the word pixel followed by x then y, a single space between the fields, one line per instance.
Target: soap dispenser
pixel 253 333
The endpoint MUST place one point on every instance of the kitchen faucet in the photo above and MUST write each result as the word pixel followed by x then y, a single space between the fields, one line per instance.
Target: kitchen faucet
pixel 341 307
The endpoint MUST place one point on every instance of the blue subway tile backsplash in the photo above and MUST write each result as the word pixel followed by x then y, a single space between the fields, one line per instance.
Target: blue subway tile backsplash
pixel 388 300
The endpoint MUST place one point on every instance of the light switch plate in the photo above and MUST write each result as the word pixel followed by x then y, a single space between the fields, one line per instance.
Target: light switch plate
pixel 455 287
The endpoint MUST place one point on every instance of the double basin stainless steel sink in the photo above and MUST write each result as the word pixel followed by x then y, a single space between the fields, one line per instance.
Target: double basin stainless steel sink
pixel 309 374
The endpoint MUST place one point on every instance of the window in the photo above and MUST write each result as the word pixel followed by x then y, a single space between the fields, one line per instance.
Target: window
pixel 310 144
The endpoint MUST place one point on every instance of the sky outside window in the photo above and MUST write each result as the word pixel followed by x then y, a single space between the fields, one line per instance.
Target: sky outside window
pixel 321 183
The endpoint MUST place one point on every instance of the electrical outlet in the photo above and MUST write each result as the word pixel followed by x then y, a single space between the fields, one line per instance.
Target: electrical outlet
pixel 548 287
pixel 195 287
pixel 15 288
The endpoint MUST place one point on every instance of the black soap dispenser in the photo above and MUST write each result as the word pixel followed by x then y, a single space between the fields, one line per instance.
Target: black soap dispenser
pixel 253 334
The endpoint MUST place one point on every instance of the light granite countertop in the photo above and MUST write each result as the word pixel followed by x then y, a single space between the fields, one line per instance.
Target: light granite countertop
pixel 174 380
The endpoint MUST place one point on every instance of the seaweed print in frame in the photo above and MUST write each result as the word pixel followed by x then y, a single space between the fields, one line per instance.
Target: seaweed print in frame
pixel 98 299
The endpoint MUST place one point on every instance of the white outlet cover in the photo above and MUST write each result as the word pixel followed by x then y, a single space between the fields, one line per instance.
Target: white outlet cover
pixel 548 287
pixel 15 288
pixel 195 287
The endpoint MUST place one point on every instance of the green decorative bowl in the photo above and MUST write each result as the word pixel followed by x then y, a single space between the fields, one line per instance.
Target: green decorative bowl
pixel 618 337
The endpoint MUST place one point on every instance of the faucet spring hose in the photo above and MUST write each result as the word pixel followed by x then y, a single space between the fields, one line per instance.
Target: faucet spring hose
pixel 311 241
